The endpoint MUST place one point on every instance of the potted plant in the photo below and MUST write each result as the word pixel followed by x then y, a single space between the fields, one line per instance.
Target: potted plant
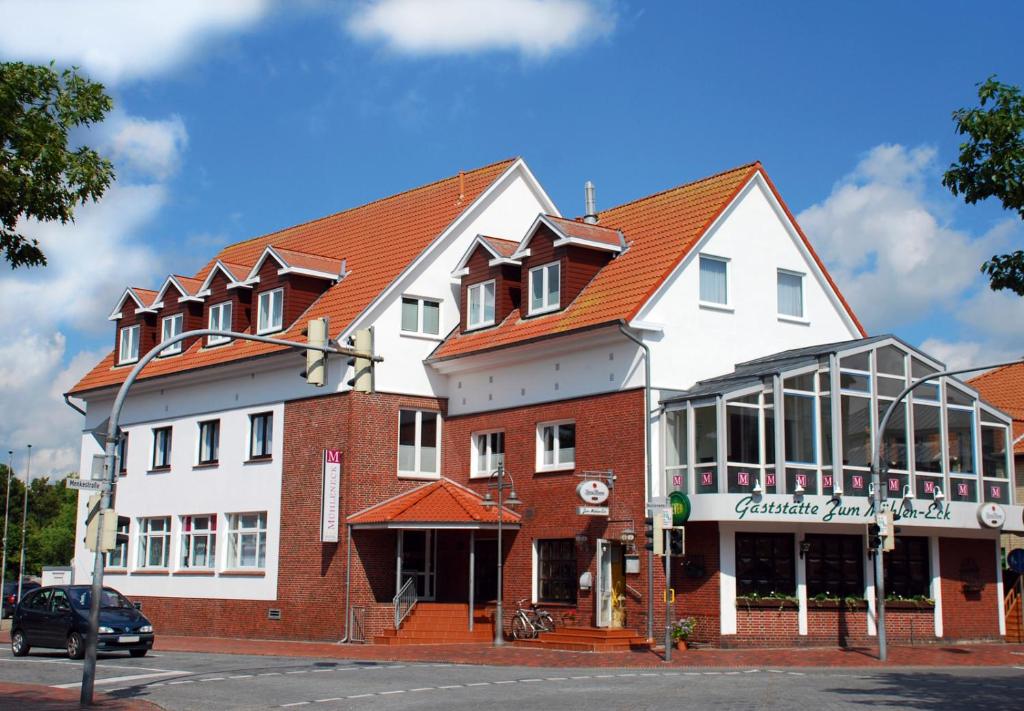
pixel 682 630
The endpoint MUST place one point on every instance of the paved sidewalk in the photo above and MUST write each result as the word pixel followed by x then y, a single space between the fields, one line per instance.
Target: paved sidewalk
pixel 977 655
pixel 33 697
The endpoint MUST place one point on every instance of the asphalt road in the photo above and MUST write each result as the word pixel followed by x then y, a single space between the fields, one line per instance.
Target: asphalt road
pixel 179 681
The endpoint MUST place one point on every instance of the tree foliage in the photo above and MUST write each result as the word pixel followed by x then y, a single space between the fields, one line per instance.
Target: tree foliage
pixel 991 164
pixel 43 176
pixel 50 530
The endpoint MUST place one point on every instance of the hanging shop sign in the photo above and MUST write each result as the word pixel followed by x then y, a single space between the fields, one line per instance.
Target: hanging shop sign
pixel 991 515
pixel 681 508
pixel 329 514
pixel 593 491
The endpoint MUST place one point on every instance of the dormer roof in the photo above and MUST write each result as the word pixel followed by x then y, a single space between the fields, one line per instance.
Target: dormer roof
pixel 235 273
pixel 142 298
pixel 574 232
pixel 501 251
pixel 188 287
pixel 294 262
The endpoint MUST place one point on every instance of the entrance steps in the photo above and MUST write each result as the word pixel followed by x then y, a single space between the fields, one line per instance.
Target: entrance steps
pixel 440 623
pixel 1015 620
pixel 587 639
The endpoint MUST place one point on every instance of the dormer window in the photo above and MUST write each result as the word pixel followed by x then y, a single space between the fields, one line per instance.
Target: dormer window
pixel 271 311
pixel 422 316
pixel 545 288
pixel 171 327
pixel 220 320
pixel 128 352
pixel 480 306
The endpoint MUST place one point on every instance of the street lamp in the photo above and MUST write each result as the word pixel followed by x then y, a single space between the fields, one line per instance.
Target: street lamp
pixel 7 507
pixel 24 521
pixel 512 500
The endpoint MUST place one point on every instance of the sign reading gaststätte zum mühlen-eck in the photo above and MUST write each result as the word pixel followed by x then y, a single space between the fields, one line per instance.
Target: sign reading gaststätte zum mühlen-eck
pixel 329 514
pixel 777 508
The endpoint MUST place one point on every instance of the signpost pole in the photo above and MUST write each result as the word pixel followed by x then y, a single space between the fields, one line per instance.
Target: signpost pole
pixel 668 594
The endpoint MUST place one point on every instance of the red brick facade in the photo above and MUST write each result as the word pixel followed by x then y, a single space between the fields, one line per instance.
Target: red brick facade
pixel 969 596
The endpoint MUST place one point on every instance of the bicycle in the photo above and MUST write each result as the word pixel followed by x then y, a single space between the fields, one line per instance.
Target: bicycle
pixel 529 622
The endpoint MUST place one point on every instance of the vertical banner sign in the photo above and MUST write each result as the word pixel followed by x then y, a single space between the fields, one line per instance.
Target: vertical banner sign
pixel 329 523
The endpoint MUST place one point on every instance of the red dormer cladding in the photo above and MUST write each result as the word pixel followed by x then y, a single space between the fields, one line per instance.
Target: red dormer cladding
pixel 191 308
pixel 240 297
pixel 134 315
pixel 507 282
pixel 299 290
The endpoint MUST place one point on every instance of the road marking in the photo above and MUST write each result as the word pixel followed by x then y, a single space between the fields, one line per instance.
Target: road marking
pixel 297 703
pixel 663 674
pixel 584 676
pixel 186 681
pixel 241 676
pixel 358 696
pixel 564 678
pixel 396 691
pixel 476 683
pixel 322 670
pixel 751 671
pixel 423 688
pixel 509 681
pixel 648 674
pixel 327 701
pixel 270 674
pixel 459 686
pixel 213 678
pixel 604 676
pixel 117 679
pixel 521 681
pixel 629 674
pixel 67 662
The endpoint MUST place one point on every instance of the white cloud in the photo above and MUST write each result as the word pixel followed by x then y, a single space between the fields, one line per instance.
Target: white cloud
pixel 533 28
pixel 119 40
pixel 965 354
pixel 152 148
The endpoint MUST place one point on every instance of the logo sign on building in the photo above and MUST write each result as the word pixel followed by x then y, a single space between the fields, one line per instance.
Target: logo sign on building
pixel 680 504
pixel 592 510
pixel 991 515
pixel 329 514
pixel 592 491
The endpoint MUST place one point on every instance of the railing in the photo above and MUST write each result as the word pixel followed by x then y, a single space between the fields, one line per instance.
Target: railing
pixel 404 601
pixel 358 624
pixel 634 592
pixel 1015 600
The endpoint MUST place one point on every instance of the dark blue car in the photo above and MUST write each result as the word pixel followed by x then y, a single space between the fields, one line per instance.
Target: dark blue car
pixel 58 617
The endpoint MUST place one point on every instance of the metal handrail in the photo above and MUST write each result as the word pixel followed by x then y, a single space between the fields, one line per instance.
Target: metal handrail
pixel 634 592
pixel 404 601
pixel 1015 598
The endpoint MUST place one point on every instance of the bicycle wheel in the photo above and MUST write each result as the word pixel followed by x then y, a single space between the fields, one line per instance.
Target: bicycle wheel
pixel 521 629
pixel 544 622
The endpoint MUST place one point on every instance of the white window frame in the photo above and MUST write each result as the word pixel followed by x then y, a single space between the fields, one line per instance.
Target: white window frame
pixel 147 537
pixel 173 319
pixel 555 465
pixel 118 558
pixel 186 554
pixel 166 463
pixel 271 296
pixel 802 317
pixel 418 473
pixel 474 453
pixel 201 444
pixel 133 333
pixel 262 457
pixel 233 560
pixel 722 306
pixel 420 330
pixel 543 270
pixel 218 323
pixel 475 316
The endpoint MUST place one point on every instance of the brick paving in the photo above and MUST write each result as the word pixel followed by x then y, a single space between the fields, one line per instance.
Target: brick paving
pixel 35 697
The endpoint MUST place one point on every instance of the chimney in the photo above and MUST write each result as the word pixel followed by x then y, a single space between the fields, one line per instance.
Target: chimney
pixel 590 217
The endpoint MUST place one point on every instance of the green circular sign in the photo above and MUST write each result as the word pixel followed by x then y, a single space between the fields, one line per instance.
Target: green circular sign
pixel 680 504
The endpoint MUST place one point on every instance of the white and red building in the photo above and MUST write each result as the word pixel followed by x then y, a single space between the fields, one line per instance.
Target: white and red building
pixel 513 335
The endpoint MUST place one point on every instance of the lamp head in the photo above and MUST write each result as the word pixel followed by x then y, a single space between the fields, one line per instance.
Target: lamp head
pixel 939 496
pixel 488 500
pixel 908 493
pixel 757 487
pixel 512 499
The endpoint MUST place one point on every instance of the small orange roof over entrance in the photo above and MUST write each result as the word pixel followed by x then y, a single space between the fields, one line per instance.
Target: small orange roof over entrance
pixel 439 504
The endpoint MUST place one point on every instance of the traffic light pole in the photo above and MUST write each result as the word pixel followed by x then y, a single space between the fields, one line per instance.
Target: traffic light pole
pixel 110 453
pixel 668 594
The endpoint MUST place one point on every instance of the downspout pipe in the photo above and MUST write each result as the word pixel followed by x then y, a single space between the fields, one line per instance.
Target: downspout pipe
pixel 73 406
pixel 649 465
pixel 348 587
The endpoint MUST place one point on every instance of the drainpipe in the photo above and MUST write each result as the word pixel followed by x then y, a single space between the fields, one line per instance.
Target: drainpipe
pixel 72 405
pixel 348 587
pixel 649 478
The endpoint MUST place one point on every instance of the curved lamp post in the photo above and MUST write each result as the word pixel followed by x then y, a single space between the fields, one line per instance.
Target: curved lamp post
pixel 512 500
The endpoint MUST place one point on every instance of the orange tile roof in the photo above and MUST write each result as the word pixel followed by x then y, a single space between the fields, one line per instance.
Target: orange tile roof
pixel 303 260
pixel 504 247
pixel 1004 388
pixel 441 501
pixel 146 295
pixel 406 223
pixel 660 230
pixel 587 231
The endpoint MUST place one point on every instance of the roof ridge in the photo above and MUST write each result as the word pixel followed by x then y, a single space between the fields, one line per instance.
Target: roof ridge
pixel 989 373
pixel 308 254
pixel 456 492
pixel 719 174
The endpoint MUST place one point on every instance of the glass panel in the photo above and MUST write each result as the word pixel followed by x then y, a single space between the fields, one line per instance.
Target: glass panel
pixel 997 491
pixel 548 436
pixel 791 294
pixel 857 361
pixel 553 285
pixel 927 439
pixel 278 298
pixel 536 289
pixel 742 434
pixel 993 451
pixel 742 479
pixel 769 430
pixel 855 381
pixel 765 564
pixel 825 408
pixel 806 478
pixel 713 286
pixel 963 490
pixel 828 481
pixel 489 302
pixel 705 434
pixel 835 566
pixel 407 440
pixel 925 486
pixel 893 484
pixel 411 314
pixel 955 396
pixel 890 387
pixel 824 381
pixel 497 449
pixel 566 444
pixel 855 419
pixel 707 480
pixel 926 391
pixel 890 360
pixel 428 442
pixel 800 382
pixel 675 440
pixel 799 429
pixel 920 369
pixel 961 440
pixel 481 453
pixel 431 317
pixel 894 443
pixel 855 482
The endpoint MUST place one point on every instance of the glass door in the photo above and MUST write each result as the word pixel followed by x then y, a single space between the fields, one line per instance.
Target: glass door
pixel 417 551
pixel 603 584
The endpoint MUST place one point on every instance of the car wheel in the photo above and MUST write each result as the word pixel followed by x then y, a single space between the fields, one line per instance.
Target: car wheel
pixel 138 652
pixel 19 645
pixel 76 650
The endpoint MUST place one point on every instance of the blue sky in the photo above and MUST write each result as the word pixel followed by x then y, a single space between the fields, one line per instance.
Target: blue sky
pixel 248 116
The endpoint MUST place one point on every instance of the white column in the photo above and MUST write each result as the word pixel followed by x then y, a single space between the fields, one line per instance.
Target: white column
pixel 801 584
pixel 933 548
pixel 869 594
pixel 727 579
pixel 999 589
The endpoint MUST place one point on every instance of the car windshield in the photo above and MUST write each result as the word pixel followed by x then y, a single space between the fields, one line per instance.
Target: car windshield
pixel 111 599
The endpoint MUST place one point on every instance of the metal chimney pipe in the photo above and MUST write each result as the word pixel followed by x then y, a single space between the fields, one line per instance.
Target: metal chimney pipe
pixel 590 216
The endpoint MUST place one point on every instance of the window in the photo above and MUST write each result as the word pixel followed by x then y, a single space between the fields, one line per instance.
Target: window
pixel 220 319
pixel 993 451
pixel 705 433
pixel 209 441
pixel 122 454
pixel 556 446
pixel 480 309
pixel 835 566
pixel 419 439
pixel 198 541
pixel 154 542
pixel 421 316
pixel 714 280
pixel 556 571
pixel 59 601
pixel 676 453
pixel 261 435
pixel 162 448
pixel 799 437
pixel 36 601
pixel 171 327
pixel 118 558
pixel 271 311
pixel 764 564
pixel 488 452
pixel 129 348
pixel 961 440
pixel 545 288
pixel 791 294
pixel 247 540
pixel 927 438
pixel 907 569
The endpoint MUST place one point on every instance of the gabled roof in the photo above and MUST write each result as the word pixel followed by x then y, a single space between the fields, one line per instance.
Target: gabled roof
pixel 583 234
pixel 500 250
pixel 661 230
pixel 142 298
pixel 235 273
pixel 409 222
pixel 295 262
pixel 188 287
pixel 1004 388
pixel 441 503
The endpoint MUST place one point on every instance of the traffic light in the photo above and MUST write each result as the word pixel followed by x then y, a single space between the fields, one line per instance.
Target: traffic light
pixel 121 537
pixel 362 368
pixel 874 537
pixel 653 533
pixel 677 541
pixel 316 360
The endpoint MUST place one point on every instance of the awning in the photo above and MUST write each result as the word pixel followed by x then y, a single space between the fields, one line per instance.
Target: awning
pixel 439 504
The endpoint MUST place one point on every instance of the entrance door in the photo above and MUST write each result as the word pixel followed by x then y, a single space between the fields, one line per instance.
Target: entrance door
pixel 485 574
pixel 417 555
pixel 603 584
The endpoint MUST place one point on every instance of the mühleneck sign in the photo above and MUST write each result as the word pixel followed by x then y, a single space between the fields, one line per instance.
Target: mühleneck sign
pixel 824 509
pixel 329 523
